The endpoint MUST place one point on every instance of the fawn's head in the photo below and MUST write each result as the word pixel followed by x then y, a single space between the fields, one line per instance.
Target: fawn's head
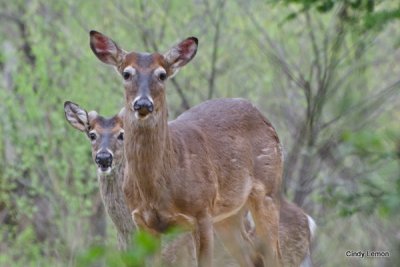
pixel 144 74
pixel 105 134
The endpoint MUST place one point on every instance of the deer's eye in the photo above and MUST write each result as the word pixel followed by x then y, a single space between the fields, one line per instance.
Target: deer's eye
pixel 162 76
pixel 92 136
pixel 126 75
pixel 128 72
pixel 121 137
pixel 160 73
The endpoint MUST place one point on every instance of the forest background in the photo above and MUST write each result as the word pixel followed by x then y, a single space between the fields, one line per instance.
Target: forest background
pixel 325 72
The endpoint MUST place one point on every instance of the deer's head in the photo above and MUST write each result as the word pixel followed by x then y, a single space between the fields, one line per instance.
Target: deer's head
pixel 144 75
pixel 106 135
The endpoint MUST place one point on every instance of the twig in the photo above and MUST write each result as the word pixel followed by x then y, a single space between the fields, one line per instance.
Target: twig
pixel 214 57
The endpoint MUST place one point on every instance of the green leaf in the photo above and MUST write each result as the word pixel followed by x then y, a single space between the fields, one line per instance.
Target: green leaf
pixel 355 4
pixel 370 5
pixel 326 6
pixel 384 211
pixel 291 16
pixel 147 241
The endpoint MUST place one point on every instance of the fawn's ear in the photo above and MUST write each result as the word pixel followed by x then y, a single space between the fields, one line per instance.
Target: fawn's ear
pixel 180 54
pixel 106 49
pixel 77 116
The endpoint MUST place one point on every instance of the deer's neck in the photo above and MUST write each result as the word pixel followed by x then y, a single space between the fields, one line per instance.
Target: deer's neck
pixel 115 204
pixel 150 157
pixel 111 184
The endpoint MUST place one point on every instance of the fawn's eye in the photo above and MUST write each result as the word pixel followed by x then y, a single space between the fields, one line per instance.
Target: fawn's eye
pixel 121 137
pixel 128 72
pixel 92 136
pixel 126 75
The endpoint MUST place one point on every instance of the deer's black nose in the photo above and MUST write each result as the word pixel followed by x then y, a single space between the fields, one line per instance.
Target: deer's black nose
pixel 143 106
pixel 104 159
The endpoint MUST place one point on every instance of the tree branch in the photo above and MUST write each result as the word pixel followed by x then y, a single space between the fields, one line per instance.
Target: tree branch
pixel 214 56
pixel 26 45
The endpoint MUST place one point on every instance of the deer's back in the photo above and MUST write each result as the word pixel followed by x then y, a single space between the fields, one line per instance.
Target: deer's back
pixel 229 145
pixel 224 114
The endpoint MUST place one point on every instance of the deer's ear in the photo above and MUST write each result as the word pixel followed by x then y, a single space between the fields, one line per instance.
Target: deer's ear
pixel 121 113
pixel 106 49
pixel 76 116
pixel 180 54
pixel 121 116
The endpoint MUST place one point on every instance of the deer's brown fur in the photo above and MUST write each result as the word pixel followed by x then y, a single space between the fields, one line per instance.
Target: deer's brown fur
pixel 294 229
pixel 110 183
pixel 205 168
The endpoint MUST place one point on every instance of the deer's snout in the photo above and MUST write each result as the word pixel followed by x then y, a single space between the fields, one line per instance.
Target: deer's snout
pixel 143 106
pixel 104 160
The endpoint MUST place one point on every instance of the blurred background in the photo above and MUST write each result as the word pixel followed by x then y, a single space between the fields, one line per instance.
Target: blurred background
pixel 326 73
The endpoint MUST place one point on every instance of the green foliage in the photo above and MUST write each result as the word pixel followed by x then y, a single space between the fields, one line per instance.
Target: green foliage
pixel 143 249
pixel 380 18
pixel 368 14
pixel 373 194
pixel 365 142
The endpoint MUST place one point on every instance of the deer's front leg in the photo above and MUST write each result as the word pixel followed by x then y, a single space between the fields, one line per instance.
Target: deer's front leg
pixel 204 240
pixel 156 259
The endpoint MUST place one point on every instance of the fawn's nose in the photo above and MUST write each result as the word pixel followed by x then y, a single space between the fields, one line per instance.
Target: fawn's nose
pixel 104 159
pixel 143 106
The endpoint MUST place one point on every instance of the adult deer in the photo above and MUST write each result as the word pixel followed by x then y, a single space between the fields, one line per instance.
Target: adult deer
pixel 202 170
pixel 106 136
